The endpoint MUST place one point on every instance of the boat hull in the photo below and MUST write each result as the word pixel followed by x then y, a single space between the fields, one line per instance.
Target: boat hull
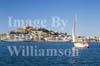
pixel 81 45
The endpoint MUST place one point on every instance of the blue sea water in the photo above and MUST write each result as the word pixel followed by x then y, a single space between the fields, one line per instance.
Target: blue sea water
pixel 86 57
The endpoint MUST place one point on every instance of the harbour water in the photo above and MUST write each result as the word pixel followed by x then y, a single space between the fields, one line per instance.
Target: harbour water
pixel 86 57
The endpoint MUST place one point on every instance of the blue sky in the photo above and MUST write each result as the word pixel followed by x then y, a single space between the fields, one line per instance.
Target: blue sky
pixel 88 12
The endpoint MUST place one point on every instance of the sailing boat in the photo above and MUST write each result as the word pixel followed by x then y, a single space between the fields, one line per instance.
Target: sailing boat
pixel 77 43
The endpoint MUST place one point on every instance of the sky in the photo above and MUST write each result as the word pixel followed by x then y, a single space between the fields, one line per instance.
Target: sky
pixel 88 13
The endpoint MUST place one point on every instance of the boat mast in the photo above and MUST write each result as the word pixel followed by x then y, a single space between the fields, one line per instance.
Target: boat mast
pixel 74 29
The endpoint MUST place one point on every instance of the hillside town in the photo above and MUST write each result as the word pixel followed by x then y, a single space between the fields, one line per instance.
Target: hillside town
pixel 38 34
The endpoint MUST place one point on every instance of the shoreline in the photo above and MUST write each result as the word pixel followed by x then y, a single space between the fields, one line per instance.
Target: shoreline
pixel 46 41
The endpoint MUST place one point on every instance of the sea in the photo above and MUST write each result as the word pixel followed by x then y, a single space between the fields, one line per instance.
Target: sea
pixel 66 55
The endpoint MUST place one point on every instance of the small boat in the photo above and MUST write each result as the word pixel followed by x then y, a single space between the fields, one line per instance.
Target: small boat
pixel 78 44
pixel 81 45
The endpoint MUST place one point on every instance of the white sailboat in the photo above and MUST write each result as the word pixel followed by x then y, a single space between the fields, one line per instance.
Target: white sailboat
pixel 74 38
